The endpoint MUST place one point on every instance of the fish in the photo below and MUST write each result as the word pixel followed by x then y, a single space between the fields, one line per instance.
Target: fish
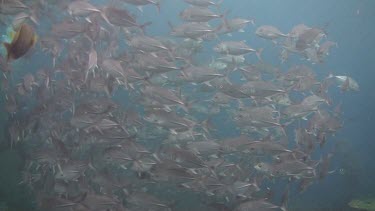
pixel 23 40
pixel 234 25
pixel 233 48
pixel 68 29
pixel 146 44
pixel 325 47
pixel 116 117
pixel 170 121
pixel 164 96
pixel 261 89
pixel 260 204
pixel 140 3
pixel 203 3
pixel 346 83
pixel 306 39
pixel 154 64
pixel 200 74
pixel 198 14
pixel 122 17
pixel 292 168
pixel 83 8
pixel 195 31
pixel 101 202
pixel 22 17
pixel 367 204
pixel 269 32
pixel 11 7
pixel 71 171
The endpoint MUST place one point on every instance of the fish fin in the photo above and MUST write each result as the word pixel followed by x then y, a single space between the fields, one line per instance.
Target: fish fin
pixel 140 8
pixel 34 40
pixel 170 25
pixel 104 16
pixel 259 54
pixel 11 34
pixel 34 19
pixel 9 55
pixel 143 26
pixel 158 7
pixel 14 35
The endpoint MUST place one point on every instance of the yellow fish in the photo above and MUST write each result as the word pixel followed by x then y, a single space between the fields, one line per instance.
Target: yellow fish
pixel 24 39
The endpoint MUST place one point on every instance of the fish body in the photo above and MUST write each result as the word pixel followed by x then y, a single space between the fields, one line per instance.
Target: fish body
pixel 198 14
pixel 192 30
pixel 234 25
pixel 24 39
pixel 363 204
pixel 202 3
pixel 269 32
pixel 258 205
pixel 233 48
pixel 11 7
pixel 140 3
pixel 346 82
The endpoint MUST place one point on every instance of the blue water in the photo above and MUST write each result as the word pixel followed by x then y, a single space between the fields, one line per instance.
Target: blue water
pixel 350 23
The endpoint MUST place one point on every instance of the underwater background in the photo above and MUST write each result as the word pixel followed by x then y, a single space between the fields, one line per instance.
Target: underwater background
pixel 350 23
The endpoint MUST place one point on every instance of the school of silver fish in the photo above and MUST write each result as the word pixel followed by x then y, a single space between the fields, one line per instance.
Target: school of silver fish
pixel 116 118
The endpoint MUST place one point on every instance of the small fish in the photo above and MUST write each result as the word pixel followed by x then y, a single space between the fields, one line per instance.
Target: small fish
pixel 203 3
pixel 140 3
pixel 198 14
pixel 345 82
pixel 367 204
pixel 269 32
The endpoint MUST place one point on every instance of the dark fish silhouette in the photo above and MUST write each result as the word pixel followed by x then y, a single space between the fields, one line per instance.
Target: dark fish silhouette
pixel 24 39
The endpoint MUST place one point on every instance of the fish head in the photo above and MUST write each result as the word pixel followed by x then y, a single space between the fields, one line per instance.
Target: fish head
pixel 221 47
pixel 259 31
pixel 263 167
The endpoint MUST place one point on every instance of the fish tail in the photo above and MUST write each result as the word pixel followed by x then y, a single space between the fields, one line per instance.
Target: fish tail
pixel 34 40
pixel 284 199
pixel 143 26
pixel 157 4
pixel 259 54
